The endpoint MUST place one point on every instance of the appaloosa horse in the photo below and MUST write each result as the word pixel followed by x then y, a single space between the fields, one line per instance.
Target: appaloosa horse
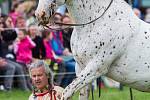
pixel 108 40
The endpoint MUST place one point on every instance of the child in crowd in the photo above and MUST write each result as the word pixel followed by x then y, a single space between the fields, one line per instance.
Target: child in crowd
pixel 23 47
pixel 23 50
pixel 50 54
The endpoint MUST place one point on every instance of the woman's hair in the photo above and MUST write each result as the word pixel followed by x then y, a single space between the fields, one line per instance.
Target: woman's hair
pixel 66 16
pixel 14 7
pixel 24 31
pixel 69 17
pixel 42 63
pixel 48 72
pixel 45 33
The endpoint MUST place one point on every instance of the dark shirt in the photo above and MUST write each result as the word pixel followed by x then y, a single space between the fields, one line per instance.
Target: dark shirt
pixel 66 38
pixel 38 51
pixel 8 37
pixel 0 48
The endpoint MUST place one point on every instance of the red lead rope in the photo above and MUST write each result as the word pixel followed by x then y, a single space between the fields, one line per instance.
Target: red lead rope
pixel 53 95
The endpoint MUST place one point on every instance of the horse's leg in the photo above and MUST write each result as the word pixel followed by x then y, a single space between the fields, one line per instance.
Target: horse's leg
pixel 93 70
pixel 84 92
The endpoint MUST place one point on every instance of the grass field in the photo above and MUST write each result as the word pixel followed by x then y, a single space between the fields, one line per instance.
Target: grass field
pixel 107 94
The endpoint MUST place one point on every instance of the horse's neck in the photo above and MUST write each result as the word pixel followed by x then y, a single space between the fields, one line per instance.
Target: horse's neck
pixel 84 11
pixel 87 10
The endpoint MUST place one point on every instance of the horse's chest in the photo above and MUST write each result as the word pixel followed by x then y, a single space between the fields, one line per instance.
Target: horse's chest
pixel 84 47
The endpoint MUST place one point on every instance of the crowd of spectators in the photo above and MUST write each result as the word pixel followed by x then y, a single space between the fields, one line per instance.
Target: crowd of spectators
pixel 22 42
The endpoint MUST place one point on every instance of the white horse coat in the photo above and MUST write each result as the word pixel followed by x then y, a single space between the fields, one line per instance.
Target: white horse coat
pixel 116 45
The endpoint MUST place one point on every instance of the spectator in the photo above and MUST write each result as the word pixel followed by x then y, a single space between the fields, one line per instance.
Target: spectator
pixel 38 52
pixel 8 36
pixel 15 13
pixel 31 19
pixel 12 67
pixel 147 16
pixel 50 54
pixel 42 79
pixel 9 67
pixel 23 50
pixel 7 70
pixel 21 22
pixel 57 44
pixel 137 12
pixel 23 47
pixel 67 32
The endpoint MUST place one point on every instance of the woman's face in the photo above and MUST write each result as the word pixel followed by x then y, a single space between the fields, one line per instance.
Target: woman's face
pixel 39 77
pixel 57 18
pixel 33 30
pixel 66 20
pixel 21 23
pixel 21 35
pixel 1 22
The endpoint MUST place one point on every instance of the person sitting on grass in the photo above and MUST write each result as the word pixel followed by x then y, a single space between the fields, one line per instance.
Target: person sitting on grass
pixel 42 80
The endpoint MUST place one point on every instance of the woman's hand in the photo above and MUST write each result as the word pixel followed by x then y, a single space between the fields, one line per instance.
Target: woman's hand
pixel 66 52
pixel 2 62
pixel 59 59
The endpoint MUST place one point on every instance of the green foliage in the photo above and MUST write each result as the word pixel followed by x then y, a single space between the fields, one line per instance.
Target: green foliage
pixel 106 94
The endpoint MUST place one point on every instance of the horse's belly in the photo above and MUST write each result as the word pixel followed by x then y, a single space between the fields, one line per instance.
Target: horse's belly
pixel 132 70
pixel 138 79
pixel 133 67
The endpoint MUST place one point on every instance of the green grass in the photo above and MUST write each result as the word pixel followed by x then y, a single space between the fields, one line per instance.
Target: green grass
pixel 14 95
pixel 107 94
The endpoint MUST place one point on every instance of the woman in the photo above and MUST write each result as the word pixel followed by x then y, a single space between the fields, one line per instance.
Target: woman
pixel 42 79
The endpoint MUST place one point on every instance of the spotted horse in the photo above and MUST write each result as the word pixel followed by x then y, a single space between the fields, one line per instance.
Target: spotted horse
pixel 109 39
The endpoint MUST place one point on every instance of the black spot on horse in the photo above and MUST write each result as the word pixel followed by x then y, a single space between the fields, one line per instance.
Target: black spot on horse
pixel 145 32
pixel 110 53
pixel 114 47
pixel 93 24
pixel 88 74
pixel 83 6
pixel 116 13
pixel 121 12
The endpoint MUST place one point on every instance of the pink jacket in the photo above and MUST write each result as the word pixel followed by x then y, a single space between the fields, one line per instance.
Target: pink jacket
pixel 49 50
pixel 23 50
